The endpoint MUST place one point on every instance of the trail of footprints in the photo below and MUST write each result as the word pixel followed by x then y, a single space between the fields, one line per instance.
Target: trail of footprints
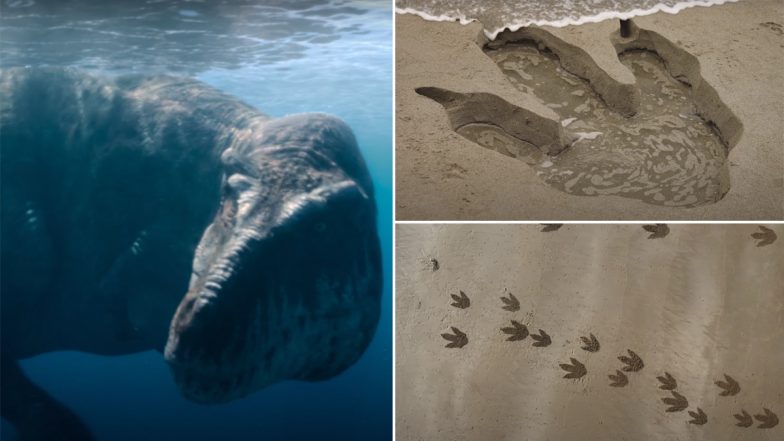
pixel 631 361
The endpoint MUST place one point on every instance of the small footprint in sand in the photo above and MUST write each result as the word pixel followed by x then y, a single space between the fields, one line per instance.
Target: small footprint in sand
pixel 633 362
pixel 730 387
pixel 657 231
pixel 744 419
pixel 765 236
pixel 619 379
pixel 591 344
pixel 517 331
pixel 768 419
pixel 667 382
pixel 699 418
pixel 511 303
pixel 460 301
pixel 542 340
pixel 575 369
pixel 677 403
pixel 457 339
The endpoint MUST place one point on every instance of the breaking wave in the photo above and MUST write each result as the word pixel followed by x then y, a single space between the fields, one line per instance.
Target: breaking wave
pixel 499 15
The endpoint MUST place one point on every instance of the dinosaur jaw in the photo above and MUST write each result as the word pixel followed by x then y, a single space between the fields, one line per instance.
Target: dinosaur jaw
pixel 213 386
pixel 289 320
pixel 277 337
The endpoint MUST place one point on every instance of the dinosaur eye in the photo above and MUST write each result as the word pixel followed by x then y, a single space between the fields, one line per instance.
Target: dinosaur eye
pixel 235 184
pixel 238 182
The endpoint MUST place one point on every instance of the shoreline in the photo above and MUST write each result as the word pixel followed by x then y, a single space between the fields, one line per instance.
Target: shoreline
pixel 567 21
pixel 443 176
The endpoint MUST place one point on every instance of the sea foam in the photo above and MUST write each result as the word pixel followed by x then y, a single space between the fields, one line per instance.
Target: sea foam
pixel 499 15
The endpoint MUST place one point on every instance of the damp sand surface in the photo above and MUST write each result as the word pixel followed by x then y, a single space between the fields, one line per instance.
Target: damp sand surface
pixel 666 154
pixel 441 175
pixel 699 303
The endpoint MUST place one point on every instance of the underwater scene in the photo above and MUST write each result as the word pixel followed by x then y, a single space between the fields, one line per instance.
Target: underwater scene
pixel 196 219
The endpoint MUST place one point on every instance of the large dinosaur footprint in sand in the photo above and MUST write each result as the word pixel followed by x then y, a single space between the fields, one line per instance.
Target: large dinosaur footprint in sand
pixel 663 140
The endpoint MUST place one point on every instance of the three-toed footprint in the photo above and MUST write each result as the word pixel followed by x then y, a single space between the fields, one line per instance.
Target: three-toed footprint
pixel 671 151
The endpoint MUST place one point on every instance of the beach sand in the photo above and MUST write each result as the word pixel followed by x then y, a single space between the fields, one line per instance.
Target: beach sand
pixel 701 302
pixel 441 175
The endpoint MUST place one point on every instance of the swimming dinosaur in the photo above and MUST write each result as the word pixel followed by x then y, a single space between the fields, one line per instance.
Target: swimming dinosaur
pixel 156 212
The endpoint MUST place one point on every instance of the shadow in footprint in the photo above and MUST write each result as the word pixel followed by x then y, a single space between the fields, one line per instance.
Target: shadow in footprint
pixel 666 154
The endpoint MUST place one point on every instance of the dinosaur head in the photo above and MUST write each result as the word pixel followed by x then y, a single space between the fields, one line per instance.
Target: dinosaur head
pixel 286 280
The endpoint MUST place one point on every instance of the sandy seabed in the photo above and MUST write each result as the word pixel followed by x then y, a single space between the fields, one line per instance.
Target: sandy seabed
pixel 491 318
pixel 441 175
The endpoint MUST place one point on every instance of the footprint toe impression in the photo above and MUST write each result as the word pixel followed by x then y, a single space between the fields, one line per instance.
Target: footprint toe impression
pixel 699 418
pixel 744 419
pixel 457 339
pixel 590 344
pixel 667 382
pixel 729 387
pixel 619 379
pixel 768 419
pixel 541 340
pixel 575 369
pixel 677 403
pixel 765 236
pixel 460 301
pixel 666 154
pixel 510 303
pixel 633 362
pixel 516 332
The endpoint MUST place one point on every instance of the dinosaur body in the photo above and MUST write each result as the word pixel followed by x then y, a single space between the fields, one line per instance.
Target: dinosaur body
pixel 113 191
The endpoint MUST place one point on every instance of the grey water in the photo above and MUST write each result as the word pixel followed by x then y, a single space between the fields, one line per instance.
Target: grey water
pixel 281 57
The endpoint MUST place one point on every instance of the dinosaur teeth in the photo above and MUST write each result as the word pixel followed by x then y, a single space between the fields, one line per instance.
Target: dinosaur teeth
pixel 212 285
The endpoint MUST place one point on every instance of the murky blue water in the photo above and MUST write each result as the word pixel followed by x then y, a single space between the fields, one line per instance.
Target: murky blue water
pixel 282 57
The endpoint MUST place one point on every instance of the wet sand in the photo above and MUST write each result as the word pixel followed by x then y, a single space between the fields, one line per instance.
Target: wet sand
pixel 693 304
pixel 443 175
